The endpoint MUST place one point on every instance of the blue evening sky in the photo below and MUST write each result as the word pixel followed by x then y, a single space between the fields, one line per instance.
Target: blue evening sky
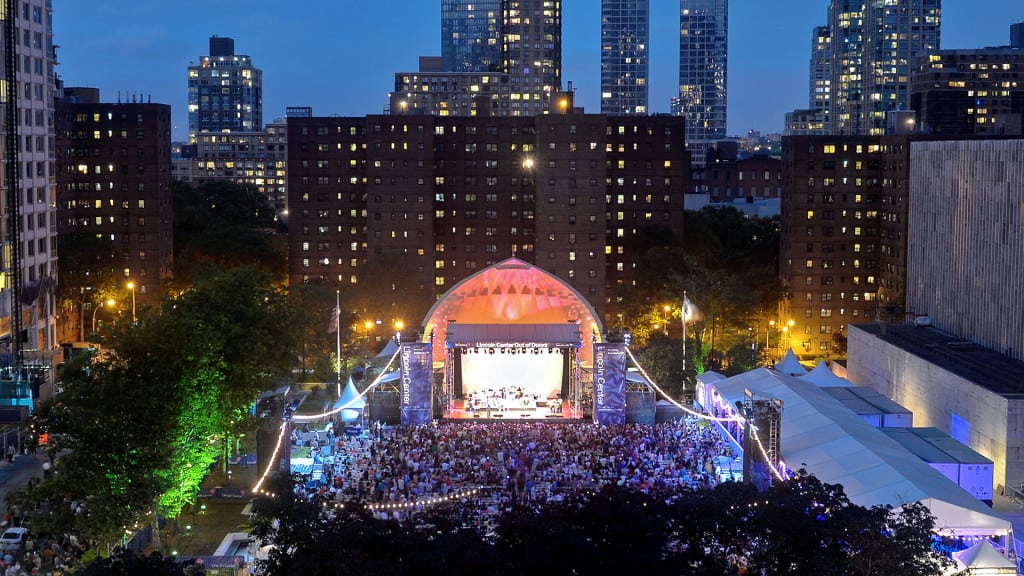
pixel 340 56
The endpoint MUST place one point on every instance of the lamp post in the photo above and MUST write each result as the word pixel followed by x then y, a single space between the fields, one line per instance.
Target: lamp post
pixel 131 286
pixel 109 303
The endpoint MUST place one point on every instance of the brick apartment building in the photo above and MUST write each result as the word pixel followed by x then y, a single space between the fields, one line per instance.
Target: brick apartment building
pixel 437 198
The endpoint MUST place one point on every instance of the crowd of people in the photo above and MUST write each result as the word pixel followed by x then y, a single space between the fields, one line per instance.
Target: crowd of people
pixel 42 556
pixel 488 468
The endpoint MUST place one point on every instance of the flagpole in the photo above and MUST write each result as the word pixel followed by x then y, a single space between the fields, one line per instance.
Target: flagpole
pixel 684 337
pixel 337 335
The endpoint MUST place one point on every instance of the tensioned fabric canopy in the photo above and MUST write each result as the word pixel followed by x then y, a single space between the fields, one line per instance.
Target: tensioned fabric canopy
pixel 838 446
pixel 512 292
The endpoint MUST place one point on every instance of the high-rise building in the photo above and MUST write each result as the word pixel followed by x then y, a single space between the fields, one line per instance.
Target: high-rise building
pixel 969 92
pixel 29 186
pixel 820 89
pixel 625 56
pixel 439 198
pixel 437 92
pixel 521 77
pixel 225 92
pixel 115 182
pixel 471 35
pixel 703 72
pixel 875 47
pixel 531 49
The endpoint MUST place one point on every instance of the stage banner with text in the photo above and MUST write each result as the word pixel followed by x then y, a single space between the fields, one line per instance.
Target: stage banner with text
pixel 416 361
pixel 610 383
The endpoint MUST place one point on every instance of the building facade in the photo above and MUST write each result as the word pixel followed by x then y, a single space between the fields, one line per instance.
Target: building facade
pixel 830 236
pixel 625 56
pixel 963 240
pixel 471 35
pixel 225 92
pixel 35 185
pixel 435 199
pixel 256 159
pixel 969 92
pixel 875 47
pixel 531 49
pixel 703 73
pixel 437 92
pixel 499 58
pixel 115 182
pixel 747 179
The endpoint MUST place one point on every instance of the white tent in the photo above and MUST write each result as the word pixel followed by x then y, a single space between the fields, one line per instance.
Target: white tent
pixel 352 402
pixel 983 558
pixel 823 376
pixel 389 349
pixel 840 447
pixel 790 365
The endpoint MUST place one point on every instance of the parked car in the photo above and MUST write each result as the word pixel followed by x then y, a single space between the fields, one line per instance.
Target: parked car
pixel 13 539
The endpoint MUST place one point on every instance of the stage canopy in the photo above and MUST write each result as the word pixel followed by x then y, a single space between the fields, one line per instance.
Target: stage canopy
pixel 562 335
pixel 512 292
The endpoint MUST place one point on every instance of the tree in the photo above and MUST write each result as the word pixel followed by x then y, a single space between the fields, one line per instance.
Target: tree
pixel 106 438
pixel 89 275
pixel 127 563
pixel 798 526
pixel 137 429
pixel 227 225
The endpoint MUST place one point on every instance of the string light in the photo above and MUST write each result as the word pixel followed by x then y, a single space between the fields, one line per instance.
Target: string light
pixel 398 506
pixel 737 418
pixel 664 395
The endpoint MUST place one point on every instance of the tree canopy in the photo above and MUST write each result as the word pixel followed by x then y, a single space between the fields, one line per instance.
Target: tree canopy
pixel 727 265
pixel 137 428
pixel 225 224
pixel 799 526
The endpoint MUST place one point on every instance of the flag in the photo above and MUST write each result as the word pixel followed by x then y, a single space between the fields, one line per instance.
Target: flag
pixel 335 318
pixel 690 311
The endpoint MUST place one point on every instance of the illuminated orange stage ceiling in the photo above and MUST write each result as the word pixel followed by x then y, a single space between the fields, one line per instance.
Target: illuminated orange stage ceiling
pixel 512 292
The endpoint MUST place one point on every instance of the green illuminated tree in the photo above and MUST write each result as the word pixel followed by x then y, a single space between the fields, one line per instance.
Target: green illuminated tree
pixel 136 429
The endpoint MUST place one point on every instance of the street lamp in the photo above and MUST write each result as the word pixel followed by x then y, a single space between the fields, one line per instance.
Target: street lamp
pixel 109 303
pixel 131 286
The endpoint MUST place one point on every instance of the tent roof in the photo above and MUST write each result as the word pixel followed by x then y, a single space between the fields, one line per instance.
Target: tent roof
pixel 350 398
pixel 790 365
pixel 389 350
pixel 983 555
pixel 840 447
pixel 823 376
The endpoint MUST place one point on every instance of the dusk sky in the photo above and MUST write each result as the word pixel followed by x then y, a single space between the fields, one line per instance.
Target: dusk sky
pixel 341 60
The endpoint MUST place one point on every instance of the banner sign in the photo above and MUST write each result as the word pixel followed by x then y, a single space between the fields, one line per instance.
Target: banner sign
pixel 610 383
pixel 417 361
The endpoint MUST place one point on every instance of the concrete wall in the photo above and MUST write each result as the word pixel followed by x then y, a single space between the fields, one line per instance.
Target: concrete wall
pixel 934 395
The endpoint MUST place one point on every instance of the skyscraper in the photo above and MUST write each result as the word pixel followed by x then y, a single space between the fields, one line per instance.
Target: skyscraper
pixel 820 88
pixel 531 46
pixel 625 42
pixel 875 47
pixel 471 35
pixel 703 72
pixel 225 92
pixel 29 184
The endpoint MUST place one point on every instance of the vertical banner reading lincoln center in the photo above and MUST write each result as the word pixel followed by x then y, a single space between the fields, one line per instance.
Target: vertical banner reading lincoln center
pixel 610 383
pixel 416 358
